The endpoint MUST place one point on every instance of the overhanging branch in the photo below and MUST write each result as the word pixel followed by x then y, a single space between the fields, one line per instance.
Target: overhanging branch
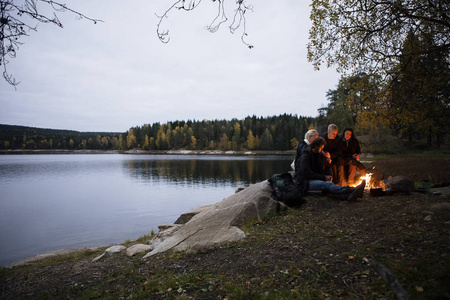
pixel 13 26
pixel 239 20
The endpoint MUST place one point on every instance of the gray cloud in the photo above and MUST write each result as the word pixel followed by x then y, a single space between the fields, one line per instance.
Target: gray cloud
pixel 117 74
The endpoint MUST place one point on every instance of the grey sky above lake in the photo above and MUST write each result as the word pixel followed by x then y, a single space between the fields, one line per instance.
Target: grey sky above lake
pixel 114 75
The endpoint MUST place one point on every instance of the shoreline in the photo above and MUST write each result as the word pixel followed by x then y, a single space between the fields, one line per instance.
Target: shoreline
pixel 171 154
pixel 444 191
pixel 150 152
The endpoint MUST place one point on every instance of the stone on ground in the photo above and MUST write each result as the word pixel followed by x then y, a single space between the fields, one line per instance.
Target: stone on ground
pixel 219 223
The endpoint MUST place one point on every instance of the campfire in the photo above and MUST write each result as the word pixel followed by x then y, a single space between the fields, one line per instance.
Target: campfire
pixel 371 183
pixel 368 180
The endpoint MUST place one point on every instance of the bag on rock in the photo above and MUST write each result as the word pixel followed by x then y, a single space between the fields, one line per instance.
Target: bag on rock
pixel 285 189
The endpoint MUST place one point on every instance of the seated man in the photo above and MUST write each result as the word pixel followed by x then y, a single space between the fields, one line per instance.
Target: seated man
pixel 310 136
pixel 350 155
pixel 333 150
pixel 314 174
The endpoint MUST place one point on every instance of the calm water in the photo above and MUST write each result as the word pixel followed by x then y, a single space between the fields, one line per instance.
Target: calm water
pixel 50 202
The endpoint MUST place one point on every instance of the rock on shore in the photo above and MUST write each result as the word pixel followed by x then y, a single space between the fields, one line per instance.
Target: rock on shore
pixel 199 229
pixel 205 227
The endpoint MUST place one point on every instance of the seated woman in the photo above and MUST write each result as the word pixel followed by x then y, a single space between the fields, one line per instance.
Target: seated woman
pixel 310 136
pixel 315 174
pixel 350 154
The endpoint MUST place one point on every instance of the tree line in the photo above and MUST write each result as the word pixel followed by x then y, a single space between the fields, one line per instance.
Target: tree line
pixel 277 133
pixel 31 138
pixel 395 61
pixel 412 105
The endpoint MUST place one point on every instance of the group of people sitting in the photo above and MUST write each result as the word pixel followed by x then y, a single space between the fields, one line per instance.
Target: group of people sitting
pixel 328 163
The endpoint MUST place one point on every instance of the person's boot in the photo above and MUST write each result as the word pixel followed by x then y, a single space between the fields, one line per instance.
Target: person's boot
pixel 350 190
pixel 358 192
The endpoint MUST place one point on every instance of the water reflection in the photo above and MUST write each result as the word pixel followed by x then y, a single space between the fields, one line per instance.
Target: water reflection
pixel 210 170
pixel 50 202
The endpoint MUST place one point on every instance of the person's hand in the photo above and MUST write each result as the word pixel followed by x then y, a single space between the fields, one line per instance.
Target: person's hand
pixel 329 177
pixel 326 154
pixel 356 156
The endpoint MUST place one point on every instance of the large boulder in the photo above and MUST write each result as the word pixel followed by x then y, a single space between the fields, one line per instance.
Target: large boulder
pixel 186 217
pixel 220 222
pixel 400 183
pixel 111 251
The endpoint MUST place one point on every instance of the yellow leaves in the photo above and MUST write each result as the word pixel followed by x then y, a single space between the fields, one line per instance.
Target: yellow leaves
pixel 131 139
pixel 251 143
pixel 193 143
pixel 294 143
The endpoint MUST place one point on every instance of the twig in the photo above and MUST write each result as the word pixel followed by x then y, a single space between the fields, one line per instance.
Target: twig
pixel 387 275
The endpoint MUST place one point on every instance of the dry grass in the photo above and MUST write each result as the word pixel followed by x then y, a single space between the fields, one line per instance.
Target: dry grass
pixel 435 170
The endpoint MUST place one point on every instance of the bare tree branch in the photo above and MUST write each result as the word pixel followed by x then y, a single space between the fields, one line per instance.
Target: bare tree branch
pixel 220 15
pixel 163 35
pixel 239 20
pixel 16 19
pixel 221 18
pixel 389 277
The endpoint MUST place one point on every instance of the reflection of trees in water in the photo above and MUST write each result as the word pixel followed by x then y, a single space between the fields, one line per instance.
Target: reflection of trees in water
pixel 207 171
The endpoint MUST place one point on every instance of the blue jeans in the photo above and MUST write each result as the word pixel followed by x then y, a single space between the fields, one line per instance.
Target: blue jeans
pixel 320 185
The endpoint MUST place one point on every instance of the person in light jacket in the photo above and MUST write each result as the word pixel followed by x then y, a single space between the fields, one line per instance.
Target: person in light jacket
pixel 310 136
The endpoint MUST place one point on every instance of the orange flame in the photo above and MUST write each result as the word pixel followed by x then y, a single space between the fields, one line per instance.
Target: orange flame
pixel 367 178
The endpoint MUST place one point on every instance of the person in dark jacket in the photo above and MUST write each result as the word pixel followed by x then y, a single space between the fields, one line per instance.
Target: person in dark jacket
pixel 310 136
pixel 351 152
pixel 315 174
pixel 333 147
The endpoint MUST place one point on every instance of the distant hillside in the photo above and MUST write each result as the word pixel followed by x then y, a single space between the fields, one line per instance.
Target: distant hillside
pixel 8 130
pixel 277 133
pixel 23 137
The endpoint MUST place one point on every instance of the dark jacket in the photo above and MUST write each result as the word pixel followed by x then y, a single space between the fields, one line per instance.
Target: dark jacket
pixel 313 166
pixel 302 146
pixel 333 147
pixel 350 147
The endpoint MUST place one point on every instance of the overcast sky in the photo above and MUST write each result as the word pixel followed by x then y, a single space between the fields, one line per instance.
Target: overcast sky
pixel 117 74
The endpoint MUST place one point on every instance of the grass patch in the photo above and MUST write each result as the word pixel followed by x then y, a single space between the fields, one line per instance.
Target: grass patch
pixel 143 239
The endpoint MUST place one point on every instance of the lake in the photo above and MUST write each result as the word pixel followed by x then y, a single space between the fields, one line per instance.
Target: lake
pixel 61 201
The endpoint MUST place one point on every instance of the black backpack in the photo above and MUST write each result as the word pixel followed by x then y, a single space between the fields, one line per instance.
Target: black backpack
pixel 286 190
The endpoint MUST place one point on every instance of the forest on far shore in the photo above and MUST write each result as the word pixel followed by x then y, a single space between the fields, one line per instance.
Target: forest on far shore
pixel 279 133
pixel 272 133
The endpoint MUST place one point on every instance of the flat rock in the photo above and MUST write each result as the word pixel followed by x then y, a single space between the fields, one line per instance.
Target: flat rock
pixel 186 217
pixel 138 248
pixel 219 223
pixel 167 230
pixel 115 249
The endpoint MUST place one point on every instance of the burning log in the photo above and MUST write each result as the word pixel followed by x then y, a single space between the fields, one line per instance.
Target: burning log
pixel 379 187
pixel 373 179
